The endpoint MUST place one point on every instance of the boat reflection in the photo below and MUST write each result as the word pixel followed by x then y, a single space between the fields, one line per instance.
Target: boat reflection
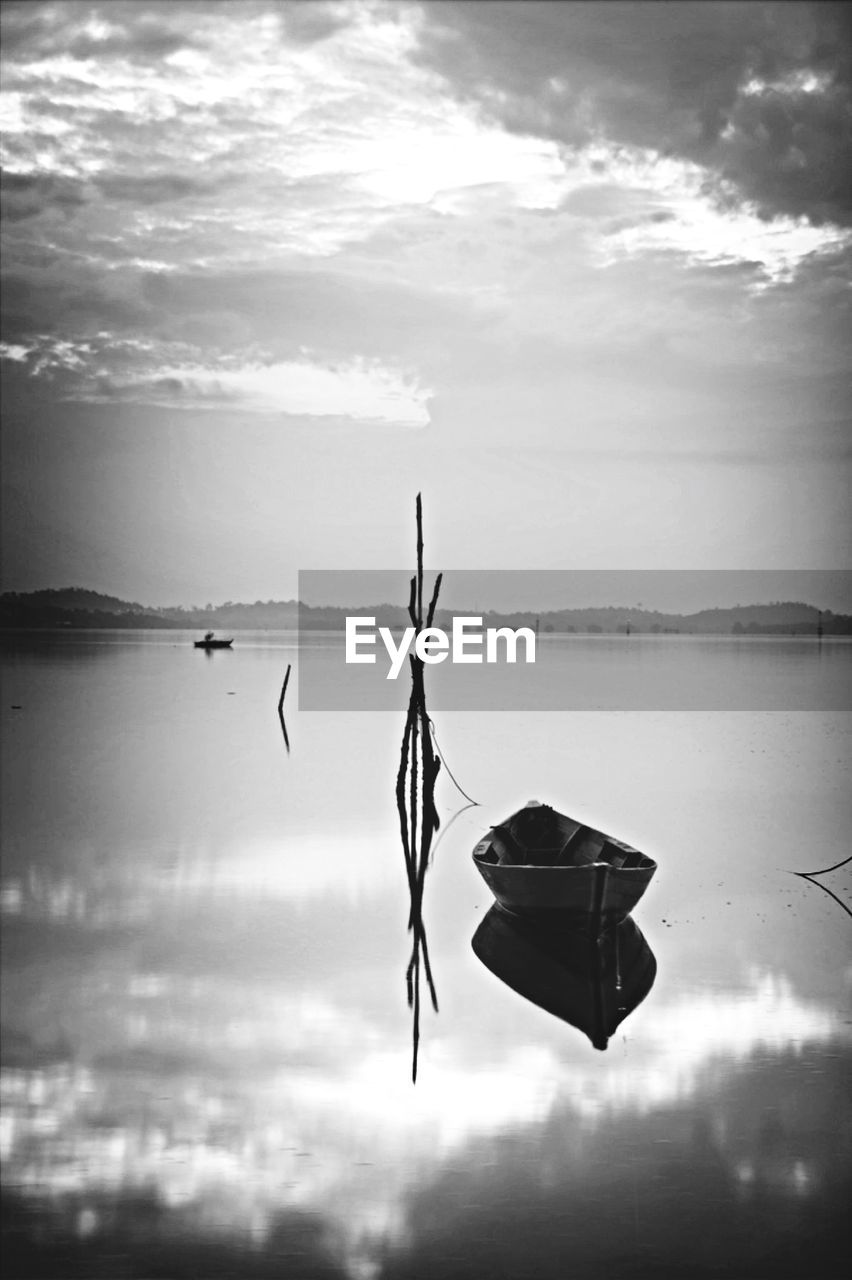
pixel 591 983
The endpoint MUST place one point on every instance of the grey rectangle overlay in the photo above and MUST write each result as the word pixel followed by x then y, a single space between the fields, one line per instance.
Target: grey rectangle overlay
pixel 608 640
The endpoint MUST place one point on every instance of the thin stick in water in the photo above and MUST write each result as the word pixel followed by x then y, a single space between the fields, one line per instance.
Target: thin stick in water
pixel 284 689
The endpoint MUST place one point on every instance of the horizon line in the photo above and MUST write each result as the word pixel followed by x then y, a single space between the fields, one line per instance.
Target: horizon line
pixel 532 611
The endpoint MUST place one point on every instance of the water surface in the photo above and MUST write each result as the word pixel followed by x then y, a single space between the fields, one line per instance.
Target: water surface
pixel 207 1045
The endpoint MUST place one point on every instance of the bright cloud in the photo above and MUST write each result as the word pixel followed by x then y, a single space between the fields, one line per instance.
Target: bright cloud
pixel 13 351
pixel 358 390
pixel 352 110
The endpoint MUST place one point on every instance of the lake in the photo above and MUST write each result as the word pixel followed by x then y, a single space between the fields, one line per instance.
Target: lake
pixel 206 1058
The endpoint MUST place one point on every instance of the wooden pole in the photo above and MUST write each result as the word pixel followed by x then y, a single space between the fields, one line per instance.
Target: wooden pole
pixel 284 689
pixel 419 562
pixel 418 768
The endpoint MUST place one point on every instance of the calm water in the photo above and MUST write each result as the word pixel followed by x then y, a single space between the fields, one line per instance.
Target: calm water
pixel 598 673
pixel 207 1046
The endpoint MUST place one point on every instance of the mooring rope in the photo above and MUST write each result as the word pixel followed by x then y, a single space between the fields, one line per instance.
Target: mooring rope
pixel 458 786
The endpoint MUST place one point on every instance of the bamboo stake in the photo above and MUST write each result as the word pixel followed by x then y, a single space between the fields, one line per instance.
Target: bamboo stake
pixel 284 689
pixel 419 510
pixel 415 795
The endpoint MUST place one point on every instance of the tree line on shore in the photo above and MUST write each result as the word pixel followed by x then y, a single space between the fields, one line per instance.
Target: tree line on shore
pixel 77 607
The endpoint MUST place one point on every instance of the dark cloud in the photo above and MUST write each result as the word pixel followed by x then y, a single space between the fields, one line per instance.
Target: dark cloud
pixel 124 325
pixel 26 195
pixel 63 299
pixel 286 310
pixel 308 21
pixel 155 188
pixel 761 94
pixel 148 30
pixel 26 26
pixel 141 32
pixel 146 42
pixel 793 152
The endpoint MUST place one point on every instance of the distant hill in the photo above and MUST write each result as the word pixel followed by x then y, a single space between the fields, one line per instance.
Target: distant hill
pixel 74 607
pixel 78 607
pixel 77 598
pixel 81 608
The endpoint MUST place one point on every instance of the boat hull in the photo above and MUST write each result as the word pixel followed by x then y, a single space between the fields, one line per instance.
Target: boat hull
pixel 562 866
pixel 213 644
pixel 567 889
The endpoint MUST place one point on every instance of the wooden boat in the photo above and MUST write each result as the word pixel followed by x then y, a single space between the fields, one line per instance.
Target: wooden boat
pixel 591 983
pixel 209 642
pixel 539 860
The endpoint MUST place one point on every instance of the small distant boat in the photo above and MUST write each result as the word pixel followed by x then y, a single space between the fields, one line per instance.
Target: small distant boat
pixel 540 861
pixel 593 984
pixel 210 642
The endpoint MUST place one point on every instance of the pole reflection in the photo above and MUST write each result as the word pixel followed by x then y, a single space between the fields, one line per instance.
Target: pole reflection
pixel 419 766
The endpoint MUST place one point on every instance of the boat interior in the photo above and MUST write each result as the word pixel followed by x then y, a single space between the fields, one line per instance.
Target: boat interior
pixel 539 836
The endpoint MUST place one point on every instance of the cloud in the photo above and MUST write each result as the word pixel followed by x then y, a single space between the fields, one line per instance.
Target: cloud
pixel 543 225
pixel 309 21
pixel 121 29
pixel 351 107
pixel 152 188
pixel 758 95
pixel 111 368
pixel 12 351
pixel 26 195
pixel 119 309
pixel 358 390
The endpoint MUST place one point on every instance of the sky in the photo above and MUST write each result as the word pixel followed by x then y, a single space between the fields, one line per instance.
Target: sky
pixel 579 273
